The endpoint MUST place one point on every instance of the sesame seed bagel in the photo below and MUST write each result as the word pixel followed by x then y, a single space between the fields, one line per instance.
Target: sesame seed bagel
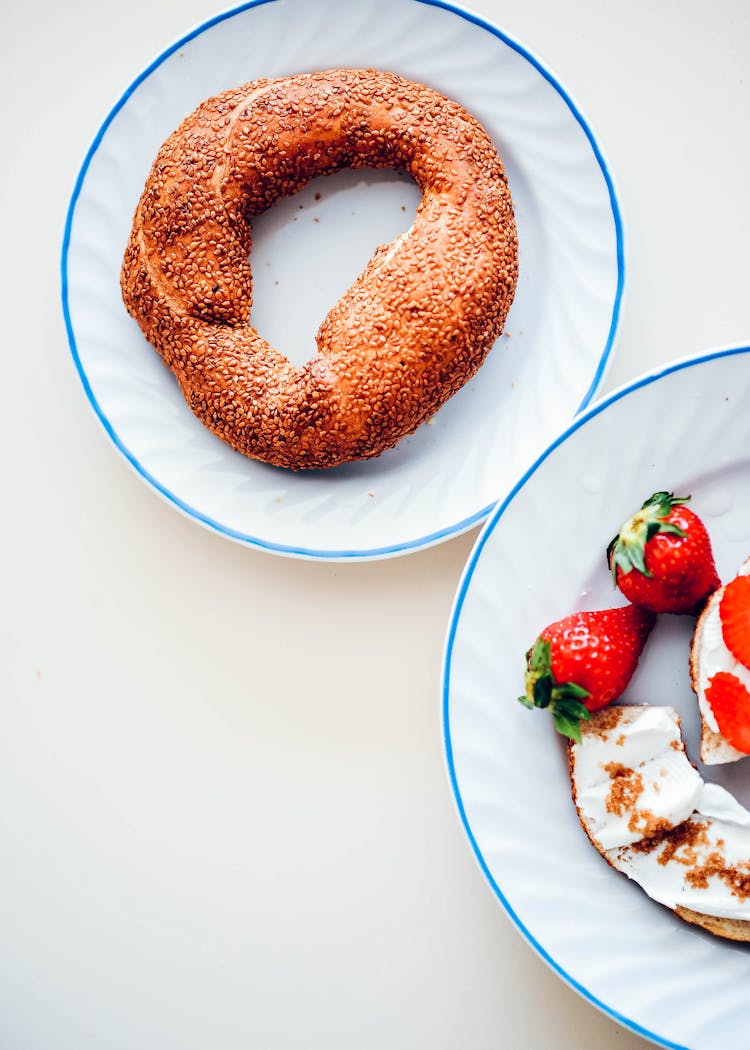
pixel 412 329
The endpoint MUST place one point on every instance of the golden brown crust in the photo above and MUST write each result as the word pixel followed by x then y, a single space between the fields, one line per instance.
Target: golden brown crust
pixel 697 640
pixel 732 929
pixel 413 328
pixel 711 741
pixel 605 721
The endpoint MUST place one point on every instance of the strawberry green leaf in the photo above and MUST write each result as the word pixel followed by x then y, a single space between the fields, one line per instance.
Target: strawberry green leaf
pixel 563 690
pixel 567 714
pixel 572 709
pixel 540 660
pixel 663 502
pixel 567 727
pixel 543 690
pixel 669 527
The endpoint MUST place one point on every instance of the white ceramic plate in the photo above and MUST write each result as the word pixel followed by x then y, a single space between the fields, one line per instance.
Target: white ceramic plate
pixel 445 477
pixel 541 556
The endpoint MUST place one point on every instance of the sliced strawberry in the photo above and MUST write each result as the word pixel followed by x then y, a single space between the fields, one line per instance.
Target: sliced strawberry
pixel 734 610
pixel 730 702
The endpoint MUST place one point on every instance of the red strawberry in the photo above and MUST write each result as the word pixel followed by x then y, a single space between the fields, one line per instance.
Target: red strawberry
pixel 734 610
pixel 661 558
pixel 730 702
pixel 583 662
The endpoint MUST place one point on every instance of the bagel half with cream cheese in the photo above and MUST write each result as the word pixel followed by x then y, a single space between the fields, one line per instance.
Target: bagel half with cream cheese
pixel 709 654
pixel 649 813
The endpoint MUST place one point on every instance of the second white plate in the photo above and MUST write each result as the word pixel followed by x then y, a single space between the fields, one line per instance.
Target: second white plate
pixel 541 556
pixel 444 478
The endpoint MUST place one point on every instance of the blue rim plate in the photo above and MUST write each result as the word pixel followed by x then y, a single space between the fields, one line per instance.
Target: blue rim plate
pixel 380 508
pixel 682 427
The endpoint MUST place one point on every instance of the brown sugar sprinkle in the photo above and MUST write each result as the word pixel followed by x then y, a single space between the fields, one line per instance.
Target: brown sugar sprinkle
pixel 620 740
pixel 688 837
pixel 646 824
pixel 606 720
pixel 683 845
pixel 736 877
pixel 653 830
pixel 625 789
pixel 412 329
pixel 685 837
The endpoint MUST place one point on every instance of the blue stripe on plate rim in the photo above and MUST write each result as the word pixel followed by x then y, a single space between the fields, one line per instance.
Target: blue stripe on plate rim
pixel 580 421
pixel 192 512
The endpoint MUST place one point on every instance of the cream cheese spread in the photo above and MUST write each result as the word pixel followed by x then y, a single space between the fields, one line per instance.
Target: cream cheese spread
pixel 650 814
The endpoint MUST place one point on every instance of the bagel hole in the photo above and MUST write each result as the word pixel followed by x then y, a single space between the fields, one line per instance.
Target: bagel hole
pixel 308 249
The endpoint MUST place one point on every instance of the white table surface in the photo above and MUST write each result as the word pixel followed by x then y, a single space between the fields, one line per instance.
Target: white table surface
pixel 204 747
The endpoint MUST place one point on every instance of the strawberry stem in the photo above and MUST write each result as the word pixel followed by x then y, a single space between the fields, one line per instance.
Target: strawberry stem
pixel 627 551
pixel 543 690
